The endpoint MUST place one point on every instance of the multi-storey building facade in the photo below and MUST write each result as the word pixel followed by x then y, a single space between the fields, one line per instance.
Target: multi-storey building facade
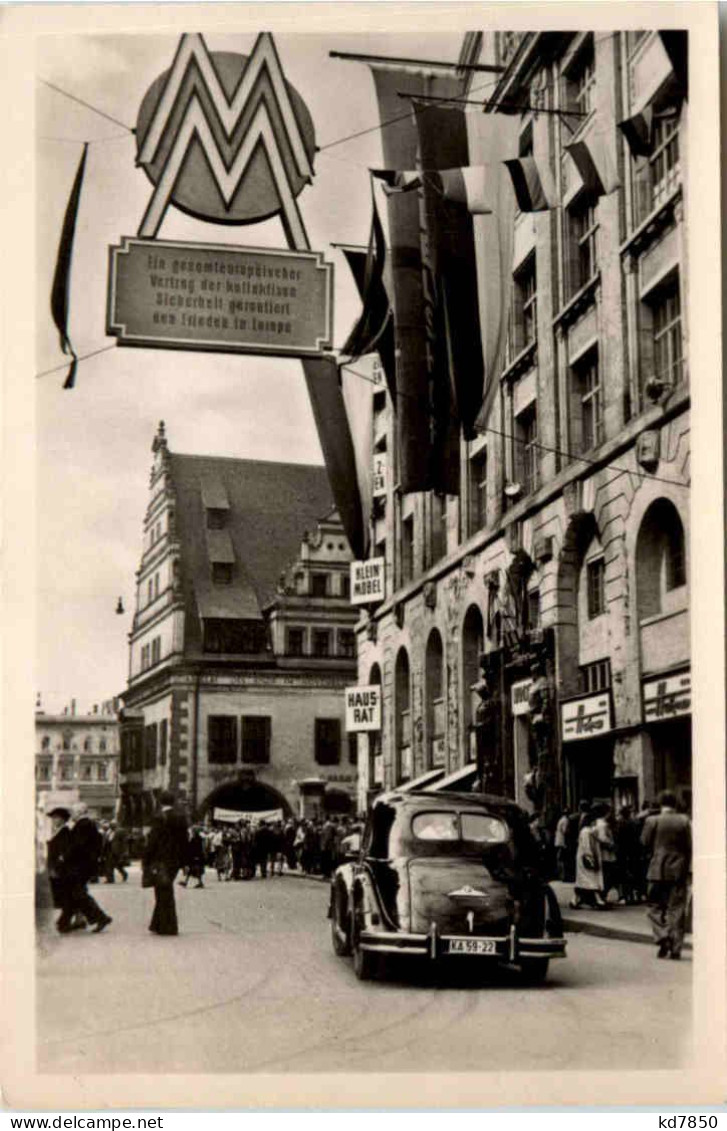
pixel 77 758
pixel 242 641
pixel 543 612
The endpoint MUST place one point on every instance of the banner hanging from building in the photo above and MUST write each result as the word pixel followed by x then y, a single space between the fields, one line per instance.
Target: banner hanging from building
pixel 234 816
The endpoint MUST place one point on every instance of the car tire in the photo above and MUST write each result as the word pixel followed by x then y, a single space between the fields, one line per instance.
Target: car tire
pixel 365 963
pixel 534 970
pixel 340 947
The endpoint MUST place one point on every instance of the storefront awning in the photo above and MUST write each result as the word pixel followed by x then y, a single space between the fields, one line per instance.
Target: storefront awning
pixel 460 779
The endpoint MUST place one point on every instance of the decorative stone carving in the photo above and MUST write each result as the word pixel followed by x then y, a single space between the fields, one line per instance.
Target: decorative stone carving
pixel 648 449
pixel 430 595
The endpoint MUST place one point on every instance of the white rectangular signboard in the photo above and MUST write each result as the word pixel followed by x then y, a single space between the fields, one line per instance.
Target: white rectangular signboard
pixel 368 581
pixel 379 480
pixel 588 717
pixel 363 707
pixel 667 696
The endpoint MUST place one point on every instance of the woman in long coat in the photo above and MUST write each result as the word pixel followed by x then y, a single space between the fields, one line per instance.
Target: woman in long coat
pixel 166 852
pixel 589 867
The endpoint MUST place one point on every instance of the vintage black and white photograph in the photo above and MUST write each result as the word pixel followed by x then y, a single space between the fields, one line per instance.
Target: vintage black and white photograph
pixel 363 673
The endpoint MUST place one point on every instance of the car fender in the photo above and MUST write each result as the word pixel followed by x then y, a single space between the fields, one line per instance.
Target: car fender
pixel 342 887
pixel 366 898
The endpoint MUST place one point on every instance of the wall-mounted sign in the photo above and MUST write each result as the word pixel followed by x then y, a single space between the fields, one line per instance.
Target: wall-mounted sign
pixel 368 581
pixel 363 707
pixel 667 696
pixel 588 717
pixel 379 478
pixel 216 297
pixel 225 138
pixel 521 696
pixel 439 752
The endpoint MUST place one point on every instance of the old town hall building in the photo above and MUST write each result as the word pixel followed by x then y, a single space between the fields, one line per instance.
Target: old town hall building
pixel 242 642
pixel 540 615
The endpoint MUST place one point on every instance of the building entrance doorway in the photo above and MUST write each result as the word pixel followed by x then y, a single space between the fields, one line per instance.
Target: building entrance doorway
pixel 246 797
pixel 589 767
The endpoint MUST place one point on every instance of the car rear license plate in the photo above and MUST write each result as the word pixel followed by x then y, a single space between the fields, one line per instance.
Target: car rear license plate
pixel 472 946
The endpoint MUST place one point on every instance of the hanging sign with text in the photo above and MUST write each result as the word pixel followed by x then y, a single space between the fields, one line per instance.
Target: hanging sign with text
pixel 368 581
pixel 587 717
pixel 216 297
pixel 379 479
pixel 363 708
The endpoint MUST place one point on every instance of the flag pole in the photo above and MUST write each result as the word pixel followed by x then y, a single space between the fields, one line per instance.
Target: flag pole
pixel 433 64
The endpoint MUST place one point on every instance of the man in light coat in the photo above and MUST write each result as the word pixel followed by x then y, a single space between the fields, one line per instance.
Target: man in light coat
pixel 667 839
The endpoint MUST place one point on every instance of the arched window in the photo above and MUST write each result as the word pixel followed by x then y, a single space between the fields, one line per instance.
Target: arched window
pixel 435 701
pixel 87 745
pixel 402 742
pixel 102 745
pixel 473 642
pixel 661 574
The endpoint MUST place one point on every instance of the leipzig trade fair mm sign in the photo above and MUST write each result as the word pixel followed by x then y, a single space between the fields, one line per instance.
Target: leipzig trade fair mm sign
pixel 224 138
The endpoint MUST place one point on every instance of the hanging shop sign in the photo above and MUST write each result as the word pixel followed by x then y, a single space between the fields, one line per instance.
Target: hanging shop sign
pixel 667 697
pixel 587 717
pixel 379 478
pixel 521 696
pixel 368 581
pixel 221 298
pixel 363 707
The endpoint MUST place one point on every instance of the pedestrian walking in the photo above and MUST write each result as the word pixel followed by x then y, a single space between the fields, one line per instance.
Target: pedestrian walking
pixel 261 848
pixel 195 859
pixel 289 835
pixel 165 853
pixel 81 864
pixel 327 846
pixel 561 845
pixel 627 838
pixel 589 872
pixel 57 854
pixel 607 846
pixel 667 838
pixel 115 853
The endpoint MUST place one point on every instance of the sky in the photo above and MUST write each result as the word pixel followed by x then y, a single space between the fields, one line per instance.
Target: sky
pixel 94 442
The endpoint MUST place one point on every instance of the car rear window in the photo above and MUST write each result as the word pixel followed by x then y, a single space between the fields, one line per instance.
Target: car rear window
pixel 479 828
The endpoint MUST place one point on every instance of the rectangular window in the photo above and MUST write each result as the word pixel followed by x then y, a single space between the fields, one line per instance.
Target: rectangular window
pixel 534 609
pixel 526 449
pixel 256 738
pixel 478 492
pixel 44 772
pixel 580 83
pixel 156 585
pixel 587 394
pixel 524 318
pixel 581 224
pixel 346 643
pixel 295 641
pixel 86 768
pixel 222 739
pixel 66 771
pixel 346 586
pixel 596 676
pixel 150 746
pixel 407 550
pixel 234 636
pixel 321 642
pixel 328 742
pixel 101 771
pixel 156 649
pixel 163 740
pixel 667 335
pixel 655 178
pixel 353 749
pixel 222 573
pixel 319 584
pixel 595 579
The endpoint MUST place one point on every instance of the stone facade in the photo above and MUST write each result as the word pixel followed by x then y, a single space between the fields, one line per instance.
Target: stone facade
pixel 77 758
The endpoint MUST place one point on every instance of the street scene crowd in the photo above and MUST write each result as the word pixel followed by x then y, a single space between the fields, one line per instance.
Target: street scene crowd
pixel 609 857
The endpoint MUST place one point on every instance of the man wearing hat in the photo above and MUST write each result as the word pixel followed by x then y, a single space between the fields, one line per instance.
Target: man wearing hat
pixel 58 848
pixel 80 864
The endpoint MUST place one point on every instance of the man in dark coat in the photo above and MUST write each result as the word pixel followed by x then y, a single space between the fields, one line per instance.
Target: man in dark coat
pixel 58 849
pixel 667 838
pixel 81 864
pixel 166 851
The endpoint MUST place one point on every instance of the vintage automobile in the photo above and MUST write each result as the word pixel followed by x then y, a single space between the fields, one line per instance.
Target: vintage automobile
pixel 446 876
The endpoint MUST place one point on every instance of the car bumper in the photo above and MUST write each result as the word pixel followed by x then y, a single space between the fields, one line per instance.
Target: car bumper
pixel 504 948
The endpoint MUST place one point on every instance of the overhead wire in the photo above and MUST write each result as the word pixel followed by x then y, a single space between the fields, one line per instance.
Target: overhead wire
pixel 88 105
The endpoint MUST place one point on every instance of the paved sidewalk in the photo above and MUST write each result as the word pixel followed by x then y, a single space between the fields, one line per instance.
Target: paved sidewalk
pixel 619 922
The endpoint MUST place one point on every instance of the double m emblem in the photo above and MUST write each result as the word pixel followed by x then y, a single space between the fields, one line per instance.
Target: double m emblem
pixel 226 139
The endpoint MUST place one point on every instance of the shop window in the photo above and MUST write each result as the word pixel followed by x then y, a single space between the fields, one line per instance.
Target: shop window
pixel 526 449
pixel 346 643
pixel 295 641
pixel 321 642
pixel 163 740
pixel 407 550
pixel 587 403
pixel 256 733
pixel 221 739
pixel 319 584
pixel 478 492
pixel 596 587
pixel 580 242
pixel 660 560
pixel 596 676
pixel 328 742
pixel 655 178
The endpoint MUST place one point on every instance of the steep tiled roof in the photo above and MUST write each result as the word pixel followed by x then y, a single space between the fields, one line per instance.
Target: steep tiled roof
pixel 271 505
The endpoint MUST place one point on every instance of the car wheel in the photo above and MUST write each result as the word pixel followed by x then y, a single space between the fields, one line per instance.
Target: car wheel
pixel 365 963
pixel 534 970
pixel 341 947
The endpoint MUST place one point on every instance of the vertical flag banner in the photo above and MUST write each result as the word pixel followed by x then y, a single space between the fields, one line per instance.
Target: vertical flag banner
pixel 385 345
pixel 60 293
